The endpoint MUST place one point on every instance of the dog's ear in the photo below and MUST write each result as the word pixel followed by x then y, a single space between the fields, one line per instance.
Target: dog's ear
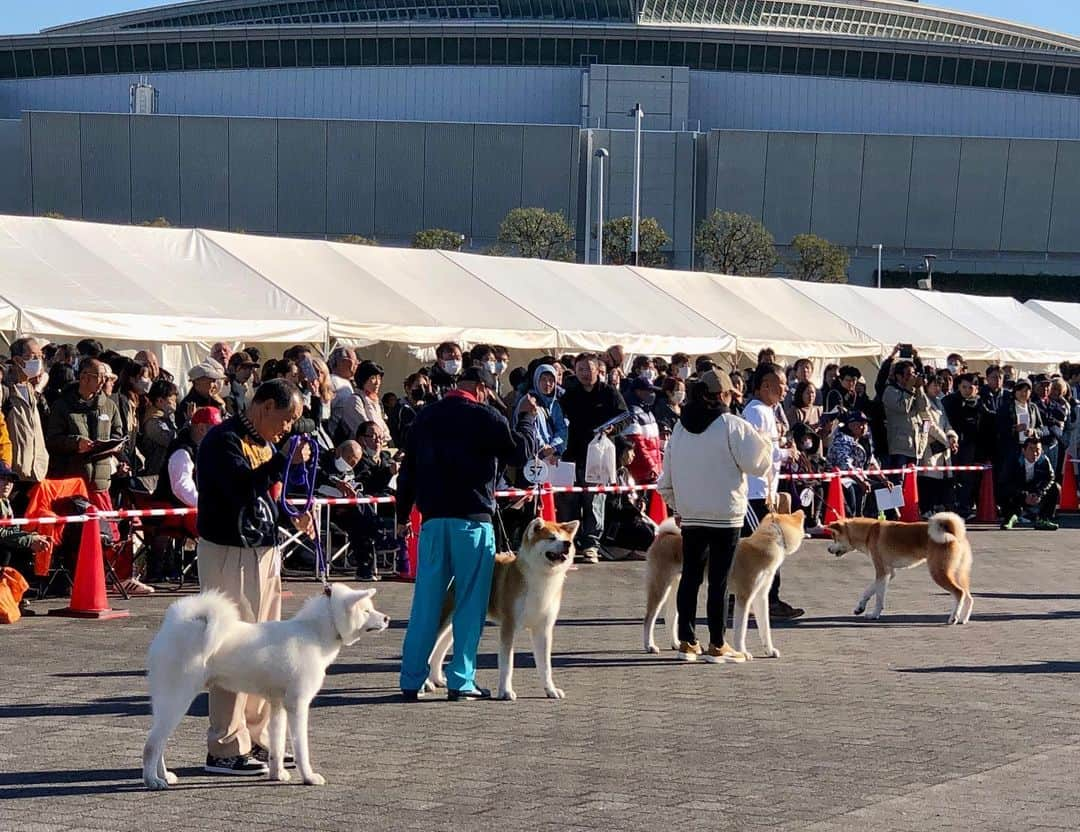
pixel 360 594
pixel 836 527
pixel 800 514
pixel 571 527
pixel 535 526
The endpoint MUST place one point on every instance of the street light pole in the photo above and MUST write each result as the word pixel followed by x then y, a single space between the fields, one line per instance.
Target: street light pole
pixel 638 115
pixel 879 248
pixel 601 155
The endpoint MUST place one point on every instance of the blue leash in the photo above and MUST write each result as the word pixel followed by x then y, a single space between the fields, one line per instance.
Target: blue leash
pixel 305 481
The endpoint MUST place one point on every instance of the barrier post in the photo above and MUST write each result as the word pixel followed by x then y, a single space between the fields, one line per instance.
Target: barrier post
pixel 88 596
pixel 834 500
pixel 658 512
pixel 987 508
pixel 1069 498
pixel 910 511
pixel 547 503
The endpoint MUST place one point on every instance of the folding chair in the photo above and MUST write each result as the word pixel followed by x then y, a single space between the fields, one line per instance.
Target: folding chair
pixel 175 531
pixel 45 499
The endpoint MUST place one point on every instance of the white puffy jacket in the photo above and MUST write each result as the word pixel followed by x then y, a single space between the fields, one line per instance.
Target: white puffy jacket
pixel 704 476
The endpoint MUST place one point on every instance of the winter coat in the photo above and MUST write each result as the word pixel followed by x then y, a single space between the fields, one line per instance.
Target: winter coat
pixel 25 413
pixel 644 433
pixel 73 418
pixel 905 412
pixel 709 455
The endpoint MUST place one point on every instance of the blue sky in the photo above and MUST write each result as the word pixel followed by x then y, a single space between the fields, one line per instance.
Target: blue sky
pixel 18 17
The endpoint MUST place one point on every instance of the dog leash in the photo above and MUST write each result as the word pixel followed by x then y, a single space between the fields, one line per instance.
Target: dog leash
pixel 309 471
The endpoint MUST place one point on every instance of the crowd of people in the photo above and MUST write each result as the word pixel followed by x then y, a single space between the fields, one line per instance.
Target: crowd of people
pixel 124 425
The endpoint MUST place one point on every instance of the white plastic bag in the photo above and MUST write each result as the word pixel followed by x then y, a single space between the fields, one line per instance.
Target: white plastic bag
pixel 600 461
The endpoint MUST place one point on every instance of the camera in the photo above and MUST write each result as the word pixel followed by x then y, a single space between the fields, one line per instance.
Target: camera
pixel 906 351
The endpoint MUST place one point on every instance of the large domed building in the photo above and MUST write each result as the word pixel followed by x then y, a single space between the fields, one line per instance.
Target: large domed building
pixel 867 122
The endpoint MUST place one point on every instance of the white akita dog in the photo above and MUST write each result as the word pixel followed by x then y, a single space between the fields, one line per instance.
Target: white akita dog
pixel 203 643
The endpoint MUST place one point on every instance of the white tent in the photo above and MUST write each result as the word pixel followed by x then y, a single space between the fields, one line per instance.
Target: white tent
pixel 763 312
pixel 895 316
pixel 75 280
pixel 1063 315
pixel 370 294
pixel 593 307
pixel 1021 335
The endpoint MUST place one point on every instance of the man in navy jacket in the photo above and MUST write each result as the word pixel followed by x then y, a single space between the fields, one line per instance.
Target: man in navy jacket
pixel 455 450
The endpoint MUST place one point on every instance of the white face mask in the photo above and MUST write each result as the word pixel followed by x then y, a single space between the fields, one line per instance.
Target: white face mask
pixel 649 374
pixel 32 367
pixel 342 466
pixel 807 444
pixel 678 398
pixel 142 385
pixel 451 365
pixel 954 368
pixel 500 367
pixel 684 372
pixel 492 366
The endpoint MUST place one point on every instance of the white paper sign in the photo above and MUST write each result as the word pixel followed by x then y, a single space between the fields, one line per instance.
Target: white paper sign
pixel 887 499
pixel 536 471
pixel 563 474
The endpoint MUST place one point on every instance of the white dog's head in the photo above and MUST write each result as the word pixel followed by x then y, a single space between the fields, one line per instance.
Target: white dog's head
pixel 353 612
pixel 550 545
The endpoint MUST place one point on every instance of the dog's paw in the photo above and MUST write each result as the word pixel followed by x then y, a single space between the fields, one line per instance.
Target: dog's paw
pixel 772 654
pixel 171 778
pixel 156 784
pixel 314 779
pixel 652 649
pixel 554 693
pixel 281 775
pixel 859 610
pixel 507 695
pixel 749 656
pixel 873 615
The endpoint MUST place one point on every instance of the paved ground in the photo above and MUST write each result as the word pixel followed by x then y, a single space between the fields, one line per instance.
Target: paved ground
pixel 898 725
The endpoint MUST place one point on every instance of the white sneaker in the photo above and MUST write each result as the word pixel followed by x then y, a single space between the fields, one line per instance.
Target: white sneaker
pixel 133 586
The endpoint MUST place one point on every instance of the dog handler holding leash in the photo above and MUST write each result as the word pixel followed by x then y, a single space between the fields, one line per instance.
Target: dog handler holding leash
pixel 239 470
pixel 455 448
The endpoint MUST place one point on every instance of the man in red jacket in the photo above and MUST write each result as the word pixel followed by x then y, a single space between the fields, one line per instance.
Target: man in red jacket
pixel 644 432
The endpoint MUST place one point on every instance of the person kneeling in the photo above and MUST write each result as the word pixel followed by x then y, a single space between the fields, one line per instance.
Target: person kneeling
pixel 1031 489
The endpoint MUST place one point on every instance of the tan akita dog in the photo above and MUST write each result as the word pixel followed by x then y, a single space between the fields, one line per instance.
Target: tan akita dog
pixel 756 560
pixel 526 591
pixel 942 544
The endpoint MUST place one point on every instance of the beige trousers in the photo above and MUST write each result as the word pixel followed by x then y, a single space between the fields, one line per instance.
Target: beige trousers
pixel 251 579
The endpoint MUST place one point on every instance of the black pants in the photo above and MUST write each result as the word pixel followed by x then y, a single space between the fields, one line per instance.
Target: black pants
pixel 1015 503
pixel 716 548
pixel 360 523
pixel 759 510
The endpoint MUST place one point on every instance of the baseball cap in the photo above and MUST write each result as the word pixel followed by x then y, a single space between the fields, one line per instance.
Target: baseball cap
pixel 474 374
pixel 6 473
pixel 206 416
pixel 853 416
pixel 207 368
pixel 641 383
pixel 717 382
pixel 242 358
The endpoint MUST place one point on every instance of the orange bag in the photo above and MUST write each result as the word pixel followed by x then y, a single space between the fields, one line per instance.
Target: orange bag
pixel 12 587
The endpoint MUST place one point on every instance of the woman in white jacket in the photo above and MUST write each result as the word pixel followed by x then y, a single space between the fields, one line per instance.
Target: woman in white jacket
pixel 709 455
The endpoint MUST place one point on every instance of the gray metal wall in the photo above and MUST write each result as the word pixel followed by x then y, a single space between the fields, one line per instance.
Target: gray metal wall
pixel 749 101
pixel 303 177
pixel 514 95
pixel 981 204
pixel 553 95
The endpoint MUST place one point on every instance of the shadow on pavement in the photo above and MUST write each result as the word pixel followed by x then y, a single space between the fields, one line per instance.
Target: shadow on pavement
pixel 1025 669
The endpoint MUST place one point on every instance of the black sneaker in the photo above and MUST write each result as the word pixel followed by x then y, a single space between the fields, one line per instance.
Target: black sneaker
pixel 783 611
pixel 25 609
pixel 263 756
pixel 368 577
pixel 410 695
pixel 243 766
pixel 468 695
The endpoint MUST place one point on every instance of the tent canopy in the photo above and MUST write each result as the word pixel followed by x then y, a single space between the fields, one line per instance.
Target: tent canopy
pixel 894 316
pixel 763 312
pixel 76 280
pixel 1063 315
pixel 370 294
pixel 593 307
pixel 1021 335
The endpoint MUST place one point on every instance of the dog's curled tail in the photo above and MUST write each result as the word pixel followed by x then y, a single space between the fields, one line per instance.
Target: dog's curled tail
pixel 669 526
pixel 946 527
pixel 210 609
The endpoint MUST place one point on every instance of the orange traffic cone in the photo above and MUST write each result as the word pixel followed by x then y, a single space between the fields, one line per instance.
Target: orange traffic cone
pixel 834 501
pixel 909 513
pixel 1069 501
pixel 88 598
pixel 547 503
pixel 412 546
pixel 987 510
pixel 657 508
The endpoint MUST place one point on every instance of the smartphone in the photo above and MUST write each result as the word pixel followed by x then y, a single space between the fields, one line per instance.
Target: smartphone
pixel 307 369
pixel 906 351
